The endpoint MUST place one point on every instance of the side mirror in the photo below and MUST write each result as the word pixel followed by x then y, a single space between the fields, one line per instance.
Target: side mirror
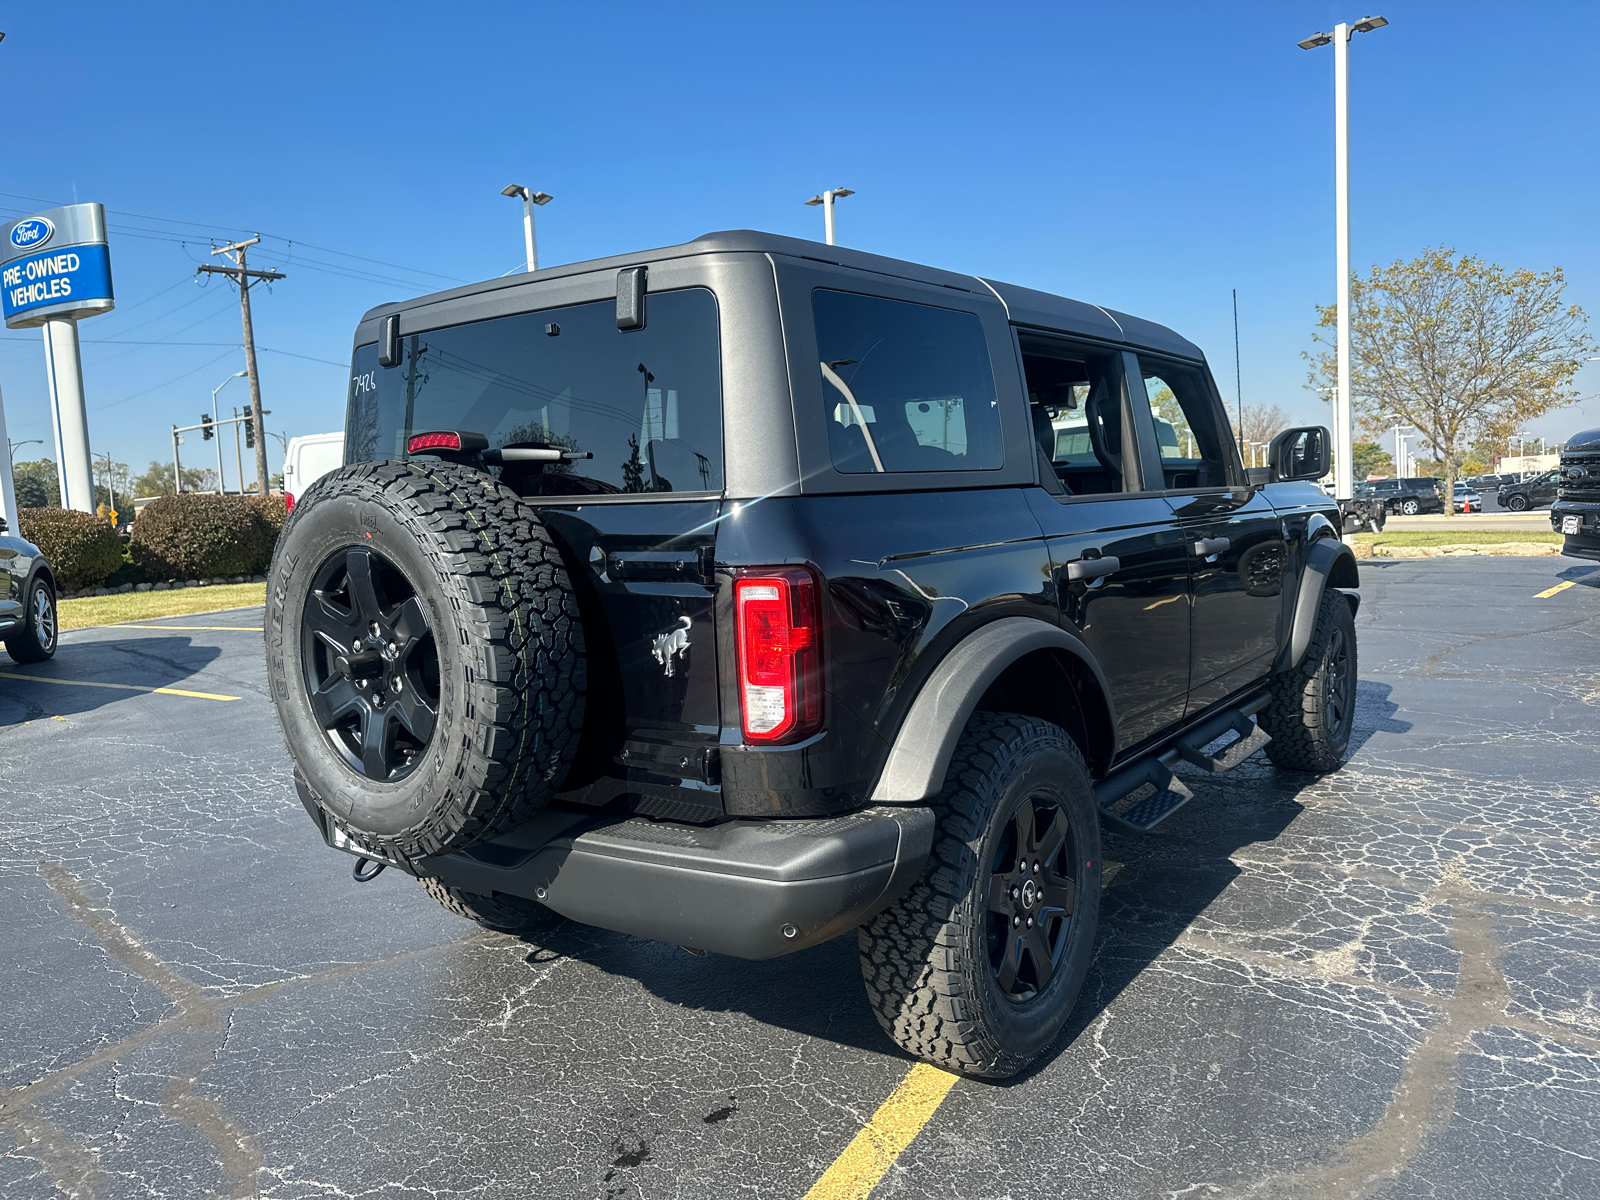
pixel 1302 453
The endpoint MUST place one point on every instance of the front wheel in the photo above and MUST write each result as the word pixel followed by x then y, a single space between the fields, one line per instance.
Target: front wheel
pixel 1410 508
pixel 1517 503
pixel 36 640
pixel 977 968
pixel 1313 705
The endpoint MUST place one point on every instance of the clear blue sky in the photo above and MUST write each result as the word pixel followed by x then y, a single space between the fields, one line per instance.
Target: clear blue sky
pixel 1149 157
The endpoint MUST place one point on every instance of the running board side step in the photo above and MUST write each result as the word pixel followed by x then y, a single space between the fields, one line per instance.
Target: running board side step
pixel 1251 737
pixel 1139 797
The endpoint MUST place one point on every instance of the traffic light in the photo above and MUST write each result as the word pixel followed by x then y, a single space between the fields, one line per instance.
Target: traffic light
pixel 206 432
pixel 249 427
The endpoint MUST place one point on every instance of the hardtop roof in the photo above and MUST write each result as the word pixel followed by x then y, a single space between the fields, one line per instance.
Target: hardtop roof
pixel 1024 306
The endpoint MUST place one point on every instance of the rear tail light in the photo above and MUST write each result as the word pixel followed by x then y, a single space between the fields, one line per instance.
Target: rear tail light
pixel 778 623
pixel 288 502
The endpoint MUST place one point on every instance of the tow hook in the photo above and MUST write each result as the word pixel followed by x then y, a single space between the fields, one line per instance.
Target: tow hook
pixel 364 876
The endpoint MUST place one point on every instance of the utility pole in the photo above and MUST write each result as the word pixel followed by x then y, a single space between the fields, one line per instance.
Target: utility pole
pixel 242 276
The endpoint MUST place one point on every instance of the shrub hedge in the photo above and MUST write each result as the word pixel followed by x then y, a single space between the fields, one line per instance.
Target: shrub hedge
pixel 82 547
pixel 196 537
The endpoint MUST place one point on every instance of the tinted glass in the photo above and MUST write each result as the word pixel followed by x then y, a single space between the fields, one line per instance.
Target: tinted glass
pixel 1074 400
pixel 647 404
pixel 1187 429
pixel 905 387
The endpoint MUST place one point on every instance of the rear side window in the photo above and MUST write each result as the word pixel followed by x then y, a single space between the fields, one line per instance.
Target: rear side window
pixel 647 404
pixel 905 387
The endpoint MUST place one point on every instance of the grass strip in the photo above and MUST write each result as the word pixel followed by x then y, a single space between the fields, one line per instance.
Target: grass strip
pixel 1463 537
pixel 143 606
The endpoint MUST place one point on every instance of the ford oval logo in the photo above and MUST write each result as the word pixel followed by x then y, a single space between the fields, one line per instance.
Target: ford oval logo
pixel 35 231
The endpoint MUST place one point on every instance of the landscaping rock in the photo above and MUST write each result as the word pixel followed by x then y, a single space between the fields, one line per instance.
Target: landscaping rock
pixel 143 587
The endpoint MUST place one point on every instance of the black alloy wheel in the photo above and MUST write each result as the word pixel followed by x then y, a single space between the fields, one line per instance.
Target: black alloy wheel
pixel 1033 886
pixel 1339 692
pixel 371 666
pixel 1517 503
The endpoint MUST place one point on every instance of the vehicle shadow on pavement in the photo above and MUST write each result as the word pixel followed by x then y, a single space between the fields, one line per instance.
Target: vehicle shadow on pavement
pixel 816 992
pixel 130 669
pixel 1163 881
pixel 1167 878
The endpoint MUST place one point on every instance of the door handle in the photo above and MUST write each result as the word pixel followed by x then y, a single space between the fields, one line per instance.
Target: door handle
pixel 1092 568
pixel 1209 548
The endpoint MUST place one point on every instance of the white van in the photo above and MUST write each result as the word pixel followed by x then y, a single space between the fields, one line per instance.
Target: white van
pixel 307 459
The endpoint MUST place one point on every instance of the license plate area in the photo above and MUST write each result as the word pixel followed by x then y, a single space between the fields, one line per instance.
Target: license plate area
pixel 1572 524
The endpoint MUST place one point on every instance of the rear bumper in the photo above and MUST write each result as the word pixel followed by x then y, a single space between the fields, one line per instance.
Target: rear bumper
pixel 750 889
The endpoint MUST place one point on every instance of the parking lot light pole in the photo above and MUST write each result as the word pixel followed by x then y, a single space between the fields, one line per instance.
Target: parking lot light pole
pixel 529 199
pixel 1344 473
pixel 826 199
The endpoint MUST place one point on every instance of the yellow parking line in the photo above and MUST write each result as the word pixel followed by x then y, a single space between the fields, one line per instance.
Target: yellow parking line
pixel 893 1127
pixel 1548 592
pixel 120 687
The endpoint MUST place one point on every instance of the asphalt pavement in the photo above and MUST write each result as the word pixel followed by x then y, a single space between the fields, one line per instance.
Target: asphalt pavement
pixel 1385 981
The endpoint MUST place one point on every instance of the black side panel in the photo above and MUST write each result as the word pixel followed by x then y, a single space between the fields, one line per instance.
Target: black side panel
pixel 906 576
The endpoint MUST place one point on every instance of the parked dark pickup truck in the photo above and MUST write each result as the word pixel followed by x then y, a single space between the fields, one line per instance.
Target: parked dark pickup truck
pixel 1576 512
pixel 1406 497
pixel 751 592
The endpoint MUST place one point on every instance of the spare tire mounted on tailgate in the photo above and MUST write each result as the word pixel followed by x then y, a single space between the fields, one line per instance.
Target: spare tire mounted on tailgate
pixel 425 655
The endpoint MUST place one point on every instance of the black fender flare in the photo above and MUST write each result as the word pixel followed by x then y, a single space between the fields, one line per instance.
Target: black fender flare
pixel 921 752
pixel 1328 562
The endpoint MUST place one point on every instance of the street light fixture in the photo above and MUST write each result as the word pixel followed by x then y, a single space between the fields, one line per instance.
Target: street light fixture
pixel 826 200
pixel 11 447
pixel 1344 475
pixel 529 199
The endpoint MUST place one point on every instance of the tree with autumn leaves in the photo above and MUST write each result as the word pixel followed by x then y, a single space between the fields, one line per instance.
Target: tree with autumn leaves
pixel 1465 350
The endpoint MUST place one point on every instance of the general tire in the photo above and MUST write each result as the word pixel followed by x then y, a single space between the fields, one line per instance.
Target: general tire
pixel 1517 503
pixel 497 911
pixel 1410 507
pixel 35 641
pixel 1312 710
pixel 456 711
pixel 929 960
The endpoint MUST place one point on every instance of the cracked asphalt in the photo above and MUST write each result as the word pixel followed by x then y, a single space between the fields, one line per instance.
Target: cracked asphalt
pixel 1384 982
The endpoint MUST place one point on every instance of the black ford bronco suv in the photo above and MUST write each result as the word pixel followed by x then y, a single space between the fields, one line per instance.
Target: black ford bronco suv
pixel 1576 512
pixel 752 591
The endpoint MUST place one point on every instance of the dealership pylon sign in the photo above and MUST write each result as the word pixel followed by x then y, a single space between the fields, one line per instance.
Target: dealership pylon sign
pixel 55 269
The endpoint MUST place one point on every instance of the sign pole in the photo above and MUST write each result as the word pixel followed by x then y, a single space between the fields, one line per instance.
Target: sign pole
pixel 64 369
pixel 8 493
pixel 55 268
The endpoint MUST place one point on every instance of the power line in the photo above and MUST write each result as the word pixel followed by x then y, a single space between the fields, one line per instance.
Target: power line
pixel 163 235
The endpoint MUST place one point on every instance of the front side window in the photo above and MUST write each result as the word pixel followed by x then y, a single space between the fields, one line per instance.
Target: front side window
pixel 905 387
pixel 647 404
pixel 1192 453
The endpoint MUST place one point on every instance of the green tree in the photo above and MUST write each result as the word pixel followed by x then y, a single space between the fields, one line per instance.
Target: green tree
pixel 1369 458
pixel 157 481
pixel 37 484
pixel 1463 349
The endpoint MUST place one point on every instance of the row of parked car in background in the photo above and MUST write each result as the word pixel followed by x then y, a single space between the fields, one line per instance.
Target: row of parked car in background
pixel 1411 496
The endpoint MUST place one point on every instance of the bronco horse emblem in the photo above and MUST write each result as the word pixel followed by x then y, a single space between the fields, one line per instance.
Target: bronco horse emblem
pixel 672 644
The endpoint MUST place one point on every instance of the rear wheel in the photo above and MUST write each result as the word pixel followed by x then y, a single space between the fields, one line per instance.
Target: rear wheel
pixel 425 656
pixel 1313 705
pixel 35 641
pixel 497 911
pixel 977 968
pixel 1410 507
